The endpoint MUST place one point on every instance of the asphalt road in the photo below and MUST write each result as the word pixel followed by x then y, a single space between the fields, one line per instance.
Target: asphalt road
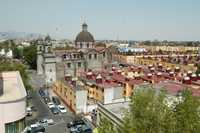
pixel 43 111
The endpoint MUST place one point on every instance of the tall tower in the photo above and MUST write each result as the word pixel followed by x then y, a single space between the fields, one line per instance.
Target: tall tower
pixel 40 49
pixel 49 62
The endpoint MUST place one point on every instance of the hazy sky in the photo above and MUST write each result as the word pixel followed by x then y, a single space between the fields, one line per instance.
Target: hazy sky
pixel 107 19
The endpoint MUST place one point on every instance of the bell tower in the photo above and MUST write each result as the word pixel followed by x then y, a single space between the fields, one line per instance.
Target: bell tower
pixel 40 50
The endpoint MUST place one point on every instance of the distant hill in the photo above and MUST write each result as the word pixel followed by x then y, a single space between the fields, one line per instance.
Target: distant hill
pixel 19 35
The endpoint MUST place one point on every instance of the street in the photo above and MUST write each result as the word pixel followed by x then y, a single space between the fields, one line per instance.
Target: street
pixel 43 111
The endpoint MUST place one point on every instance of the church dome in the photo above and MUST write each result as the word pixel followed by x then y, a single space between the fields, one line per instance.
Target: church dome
pixel 84 35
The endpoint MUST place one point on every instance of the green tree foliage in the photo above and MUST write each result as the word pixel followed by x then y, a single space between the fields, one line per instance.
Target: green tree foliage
pixel 13 66
pixel 187 114
pixel 106 126
pixel 30 56
pixel 17 53
pixel 150 113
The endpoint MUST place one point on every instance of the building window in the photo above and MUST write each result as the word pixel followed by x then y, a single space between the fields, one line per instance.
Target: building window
pixel 68 65
pixel 90 56
pixel 88 45
pixel 50 70
pixel 104 54
pixel 15 127
pixel 40 48
pixel 81 45
pixel 95 56
pixel 49 50
pixel 79 64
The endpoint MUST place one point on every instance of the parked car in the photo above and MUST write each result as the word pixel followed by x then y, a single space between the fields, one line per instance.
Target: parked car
pixel 46 122
pixel 55 100
pixel 38 129
pixel 29 111
pixel 86 129
pixel 76 129
pixel 47 99
pixel 42 93
pixel 54 110
pixel 75 123
pixel 51 105
pixel 62 109
pixel 81 129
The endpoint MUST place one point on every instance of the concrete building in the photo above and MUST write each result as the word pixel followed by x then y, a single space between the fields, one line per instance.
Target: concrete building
pixel 73 93
pixel 101 87
pixel 12 103
pixel 84 55
pixel 114 112
pixel 46 60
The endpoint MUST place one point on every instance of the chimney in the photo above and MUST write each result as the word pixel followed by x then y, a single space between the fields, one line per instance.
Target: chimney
pixel 139 68
pixel 160 66
pixel 168 69
pixel 113 68
pixel 137 76
pixel 194 77
pixel 186 80
pixel 119 71
pixel 149 75
pixel 99 79
pixel 150 66
pixel 1 85
pixel 68 77
pixel 74 80
pixel 89 75
pixel 159 74
pixel 189 73
pixel 199 76
pixel 171 74
pixel 152 69
pixel 177 69
pixel 108 79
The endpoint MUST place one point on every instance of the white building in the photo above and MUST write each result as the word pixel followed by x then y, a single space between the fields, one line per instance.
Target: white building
pixel 12 103
pixel 8 54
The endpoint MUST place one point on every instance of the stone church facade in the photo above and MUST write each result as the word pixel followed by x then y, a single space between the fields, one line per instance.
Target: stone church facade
pixel 85 56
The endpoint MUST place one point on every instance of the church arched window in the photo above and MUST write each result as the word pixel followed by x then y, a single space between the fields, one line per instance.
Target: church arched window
pixel 48 49
pixel 40 48
pixel 81 45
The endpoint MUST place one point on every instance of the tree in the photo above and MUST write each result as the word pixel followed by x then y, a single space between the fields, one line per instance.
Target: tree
pixel 149 113
pixel 17 53
pixel 187 114
pixel 30 56
pixel 13 66
pixel 106 126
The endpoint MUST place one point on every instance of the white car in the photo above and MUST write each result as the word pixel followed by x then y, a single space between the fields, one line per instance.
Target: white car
pixel 51 105
pixel 29 111
pixel 45 122
pixel 62 108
